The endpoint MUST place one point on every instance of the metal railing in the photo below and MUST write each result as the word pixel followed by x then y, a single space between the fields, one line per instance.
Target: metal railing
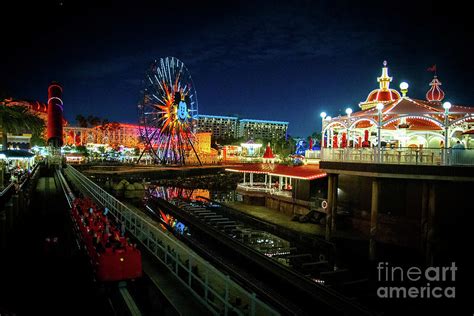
pixel 260 187
pixel 312 154
pixel 10 189
pixel 255 187
pixel 211 287
pixel 411 156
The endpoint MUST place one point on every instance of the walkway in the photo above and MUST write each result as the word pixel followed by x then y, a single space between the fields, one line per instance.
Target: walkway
pixel 181 299
pixel 273 216
pixel 41 278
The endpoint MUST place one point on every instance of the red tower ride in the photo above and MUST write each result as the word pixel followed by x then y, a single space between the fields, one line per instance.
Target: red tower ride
pixel 55 115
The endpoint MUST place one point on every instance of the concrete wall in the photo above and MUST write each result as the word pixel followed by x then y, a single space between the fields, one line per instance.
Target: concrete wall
pixel 305 189
pixel 253 200
pixel 390 229
pixel 398 197
pixel 400 209
pixel 288 207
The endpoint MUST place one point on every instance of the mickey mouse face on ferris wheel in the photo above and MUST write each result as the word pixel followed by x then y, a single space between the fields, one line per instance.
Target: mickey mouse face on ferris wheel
pixel 182 106
pixel 182 111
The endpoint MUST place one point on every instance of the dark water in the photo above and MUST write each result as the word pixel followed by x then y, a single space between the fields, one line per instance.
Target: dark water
pixel 351 255
pixel 218 187
pixel 286 252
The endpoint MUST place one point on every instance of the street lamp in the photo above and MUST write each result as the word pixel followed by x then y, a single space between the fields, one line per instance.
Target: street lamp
pixel 379 108
pixel 404 88
pixel 349 112
pixel 323 116
pixel 446 106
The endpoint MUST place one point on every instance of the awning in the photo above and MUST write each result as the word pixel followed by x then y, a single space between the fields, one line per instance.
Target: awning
pixel 16 153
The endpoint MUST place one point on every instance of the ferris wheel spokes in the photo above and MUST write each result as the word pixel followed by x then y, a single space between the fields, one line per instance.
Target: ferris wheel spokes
pixel 168 111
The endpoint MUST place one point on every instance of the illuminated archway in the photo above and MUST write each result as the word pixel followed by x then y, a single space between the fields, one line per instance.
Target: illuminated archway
pixel 374 123
pixel 439 123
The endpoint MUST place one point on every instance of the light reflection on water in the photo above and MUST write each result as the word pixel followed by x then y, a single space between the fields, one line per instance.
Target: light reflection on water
pixel 187 194
pixel 264 242
pixel 271 245
pixel 279 249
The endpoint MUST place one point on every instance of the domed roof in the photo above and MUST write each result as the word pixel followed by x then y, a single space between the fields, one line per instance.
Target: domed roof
pixel 435 94
pixel 383 94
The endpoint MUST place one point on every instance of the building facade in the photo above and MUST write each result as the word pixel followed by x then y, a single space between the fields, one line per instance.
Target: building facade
pixel 219 126
pixel 112 134
pixel 403 122
pixel 122 134
pixel 262 129
pixel 224 127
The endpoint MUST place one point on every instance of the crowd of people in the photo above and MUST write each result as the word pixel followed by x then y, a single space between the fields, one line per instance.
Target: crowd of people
pixel 104 233
pixel 15 175
pixel 113 257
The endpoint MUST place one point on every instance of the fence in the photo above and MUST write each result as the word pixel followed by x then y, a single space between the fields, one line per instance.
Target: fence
pixel 419 156
pixel 216 291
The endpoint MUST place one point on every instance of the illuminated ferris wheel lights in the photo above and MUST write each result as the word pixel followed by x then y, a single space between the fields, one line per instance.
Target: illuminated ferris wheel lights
pixel 168 122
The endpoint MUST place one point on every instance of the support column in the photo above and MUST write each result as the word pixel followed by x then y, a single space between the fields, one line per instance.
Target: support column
pixel 266 180
pixel 286 182
pixel 431 225
pixel 373 217
pixel 332 204
pixel 251 179
pixel 15 210
pixel 424 216
pixel 270 182
pixel 3 229
pixel 335 184
pixel 244 178
pixel 280 183
pixel 2 170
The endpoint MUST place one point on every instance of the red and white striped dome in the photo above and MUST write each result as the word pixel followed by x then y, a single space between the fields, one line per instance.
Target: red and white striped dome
pixel 379 95
pixel 435 94
pixel 383 94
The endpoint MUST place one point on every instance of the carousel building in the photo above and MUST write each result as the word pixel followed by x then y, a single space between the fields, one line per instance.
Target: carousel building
pixel 398 127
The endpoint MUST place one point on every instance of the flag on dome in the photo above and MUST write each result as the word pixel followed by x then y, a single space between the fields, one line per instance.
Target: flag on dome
pixel 432 68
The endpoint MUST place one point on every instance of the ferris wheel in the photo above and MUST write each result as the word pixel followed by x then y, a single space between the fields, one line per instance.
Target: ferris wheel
pixel 168 111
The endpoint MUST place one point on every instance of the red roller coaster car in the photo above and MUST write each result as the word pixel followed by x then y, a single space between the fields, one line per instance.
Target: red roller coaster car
pixel 113 258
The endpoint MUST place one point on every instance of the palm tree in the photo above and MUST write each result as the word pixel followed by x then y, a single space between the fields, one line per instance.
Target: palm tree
pixel 104 124
pixel 81 120
pixel 93 120
pixel 18 119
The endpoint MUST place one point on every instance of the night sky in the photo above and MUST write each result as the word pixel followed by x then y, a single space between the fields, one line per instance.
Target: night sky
pixel 276 60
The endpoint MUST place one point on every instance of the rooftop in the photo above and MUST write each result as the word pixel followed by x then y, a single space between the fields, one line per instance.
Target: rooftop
pixel 306 172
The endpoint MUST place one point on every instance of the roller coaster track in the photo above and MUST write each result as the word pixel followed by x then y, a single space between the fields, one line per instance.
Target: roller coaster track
pixel 309 295
pixel 130 303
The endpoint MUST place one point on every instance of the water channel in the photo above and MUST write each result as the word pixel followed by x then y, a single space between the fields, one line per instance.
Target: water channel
pixel 312 261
